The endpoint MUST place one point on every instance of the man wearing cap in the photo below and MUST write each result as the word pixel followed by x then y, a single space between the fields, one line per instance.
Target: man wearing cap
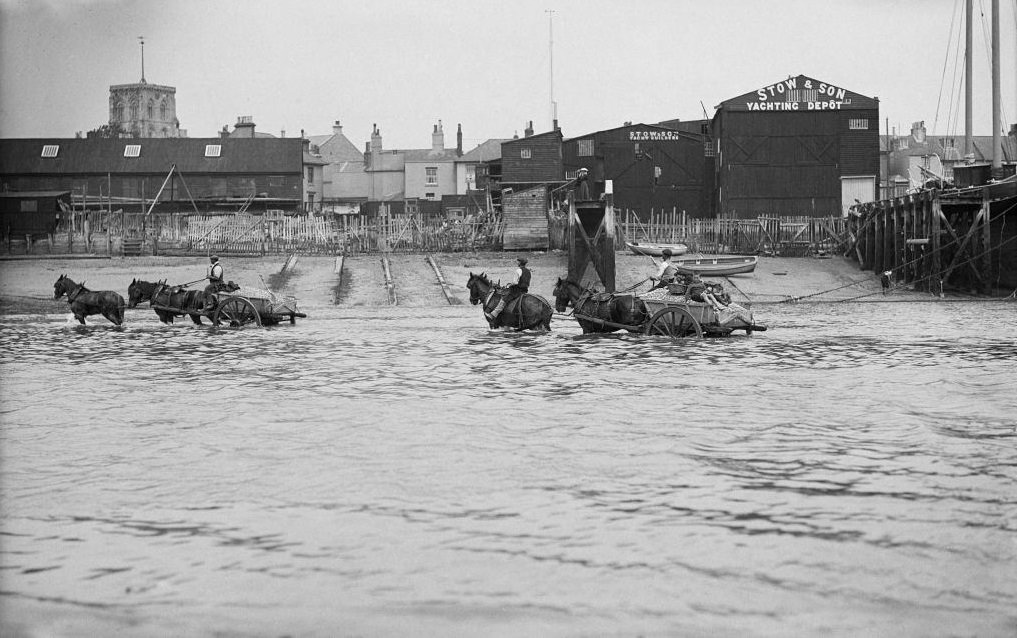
pixel 665 270
pixel 215 273
pixel 515 289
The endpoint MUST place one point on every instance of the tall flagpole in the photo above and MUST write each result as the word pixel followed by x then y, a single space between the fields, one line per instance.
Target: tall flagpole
pixel 550 56
pixel 142 39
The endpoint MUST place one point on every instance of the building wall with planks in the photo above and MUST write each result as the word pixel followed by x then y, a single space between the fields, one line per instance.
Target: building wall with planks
pixel 535 159
pixel 792 147
pixel 650 166
pixel 211 172
pixel 525 216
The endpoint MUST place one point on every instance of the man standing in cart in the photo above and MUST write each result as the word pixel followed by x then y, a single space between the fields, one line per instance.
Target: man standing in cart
pixel 665 270
pixel 215 274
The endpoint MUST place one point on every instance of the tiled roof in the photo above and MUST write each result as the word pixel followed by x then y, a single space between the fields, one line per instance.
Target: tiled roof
pixel 429 155
pixel 485 151
pixel 79 156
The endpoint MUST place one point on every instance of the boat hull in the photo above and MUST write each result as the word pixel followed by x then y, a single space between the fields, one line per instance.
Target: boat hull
pixel 720 266
pixel 655 250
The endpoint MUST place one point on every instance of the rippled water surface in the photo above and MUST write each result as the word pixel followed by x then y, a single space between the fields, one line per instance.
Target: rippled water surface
pixel 403 471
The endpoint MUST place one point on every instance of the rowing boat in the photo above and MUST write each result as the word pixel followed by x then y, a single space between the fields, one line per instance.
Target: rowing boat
pixel 655 250
pixel 718 265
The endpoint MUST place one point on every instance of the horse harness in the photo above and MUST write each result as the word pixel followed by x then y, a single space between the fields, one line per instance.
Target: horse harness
pixel 519 314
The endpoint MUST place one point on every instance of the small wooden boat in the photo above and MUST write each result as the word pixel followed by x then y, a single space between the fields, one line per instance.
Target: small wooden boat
pixel 654 250
pixel 718 265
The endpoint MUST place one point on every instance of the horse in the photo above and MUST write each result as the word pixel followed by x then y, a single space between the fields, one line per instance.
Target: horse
pixel 193 303
pixel 619 309
pixel 525 312
pixel 85 302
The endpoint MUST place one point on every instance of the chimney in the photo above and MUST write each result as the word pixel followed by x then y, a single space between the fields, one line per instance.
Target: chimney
pixel 337 128
pixel 375 140
pixel 282 133
pixel 529 129
pixel 438 138
pixel 459 141
pixel 225 132
pixel 244 127
pixel 918 131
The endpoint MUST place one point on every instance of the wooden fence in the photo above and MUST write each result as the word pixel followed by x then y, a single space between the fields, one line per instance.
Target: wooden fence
pixel 795 236
pixel 786 236
pixel 105 231
pixel 277 233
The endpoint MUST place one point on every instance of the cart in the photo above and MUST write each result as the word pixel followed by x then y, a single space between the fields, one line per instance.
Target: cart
pixel 674 314
pixel 237 310
pixel 228 308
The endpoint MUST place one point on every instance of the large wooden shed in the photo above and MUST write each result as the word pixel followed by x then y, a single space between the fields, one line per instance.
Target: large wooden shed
pixel 796 147
pixel 650 166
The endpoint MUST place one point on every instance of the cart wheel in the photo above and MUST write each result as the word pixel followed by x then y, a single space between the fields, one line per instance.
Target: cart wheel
pixel 675 323
pixel 236 312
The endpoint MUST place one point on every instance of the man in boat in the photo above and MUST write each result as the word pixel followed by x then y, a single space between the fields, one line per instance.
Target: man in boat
pixel 665 270
pixel 515 289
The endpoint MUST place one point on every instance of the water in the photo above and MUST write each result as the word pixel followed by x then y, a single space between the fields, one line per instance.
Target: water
pixel 403 471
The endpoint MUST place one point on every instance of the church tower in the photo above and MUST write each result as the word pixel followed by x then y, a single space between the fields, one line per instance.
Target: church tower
pixel 143 109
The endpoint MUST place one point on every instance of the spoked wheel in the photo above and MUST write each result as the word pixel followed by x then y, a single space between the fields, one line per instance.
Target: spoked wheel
pixel 236 312
pixel 675 323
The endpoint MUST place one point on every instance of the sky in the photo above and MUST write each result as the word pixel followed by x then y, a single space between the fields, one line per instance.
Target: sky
pixel 490 66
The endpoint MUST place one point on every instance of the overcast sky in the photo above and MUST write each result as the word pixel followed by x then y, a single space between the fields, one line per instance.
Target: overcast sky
pixel 301 64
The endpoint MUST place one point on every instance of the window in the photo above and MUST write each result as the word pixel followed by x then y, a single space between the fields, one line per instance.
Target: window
pixel 585 148
pixel 213 150
pixel 132 150
pixel 50 150
pixel 431 175
pixel 525 153
pixel 310 173
pixel 429 195
pixel 162 110
pixel 29 206
pixel 858 124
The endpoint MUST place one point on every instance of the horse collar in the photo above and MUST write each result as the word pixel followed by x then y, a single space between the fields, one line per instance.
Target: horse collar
pixel 71 296
pixel 489 295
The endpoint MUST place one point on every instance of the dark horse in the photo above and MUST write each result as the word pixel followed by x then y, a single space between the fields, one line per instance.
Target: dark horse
pixel 593 308
pixel 193 303
pixel 85 302
pixel 522 313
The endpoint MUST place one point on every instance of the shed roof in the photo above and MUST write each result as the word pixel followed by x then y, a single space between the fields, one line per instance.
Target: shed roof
pixel 798 90
pixel 79 156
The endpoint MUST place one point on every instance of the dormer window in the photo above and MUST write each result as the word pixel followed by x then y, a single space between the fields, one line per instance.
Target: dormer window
pixel 132 150
pixel 525 153
pixel 50 150
pixel 213 150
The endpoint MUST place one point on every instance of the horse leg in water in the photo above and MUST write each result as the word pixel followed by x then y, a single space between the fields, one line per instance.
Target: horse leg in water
pixel 197 319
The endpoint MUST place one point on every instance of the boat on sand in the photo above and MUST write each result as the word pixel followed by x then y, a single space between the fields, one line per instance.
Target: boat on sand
pixel 655 250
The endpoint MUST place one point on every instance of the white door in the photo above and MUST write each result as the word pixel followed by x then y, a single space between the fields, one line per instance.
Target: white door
pixel 859 188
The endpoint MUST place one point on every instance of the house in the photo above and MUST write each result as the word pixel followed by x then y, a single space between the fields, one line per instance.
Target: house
pixel 466 165
pixel 914 160
pixel 344 179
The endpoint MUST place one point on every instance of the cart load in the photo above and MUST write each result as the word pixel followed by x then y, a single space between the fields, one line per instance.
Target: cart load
pixel 680 310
